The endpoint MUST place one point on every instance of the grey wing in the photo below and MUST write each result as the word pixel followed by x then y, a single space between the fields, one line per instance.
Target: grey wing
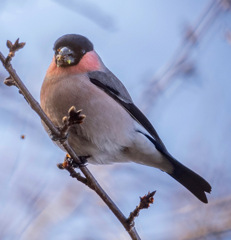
pixel 114 88
pixel 109 83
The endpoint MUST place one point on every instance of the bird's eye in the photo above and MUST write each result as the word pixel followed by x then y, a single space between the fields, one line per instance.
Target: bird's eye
pixel 83 51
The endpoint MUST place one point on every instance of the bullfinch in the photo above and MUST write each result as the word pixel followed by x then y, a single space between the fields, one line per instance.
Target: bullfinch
pixel 114 130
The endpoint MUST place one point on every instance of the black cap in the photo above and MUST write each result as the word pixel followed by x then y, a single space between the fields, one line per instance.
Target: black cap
pixel 77 43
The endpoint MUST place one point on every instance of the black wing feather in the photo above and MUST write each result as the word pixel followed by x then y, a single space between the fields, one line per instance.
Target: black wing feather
pixel 114 88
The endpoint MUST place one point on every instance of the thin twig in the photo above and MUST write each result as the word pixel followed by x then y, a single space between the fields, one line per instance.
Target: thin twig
pixel 56 132
pixel 145 202
pixel 74 117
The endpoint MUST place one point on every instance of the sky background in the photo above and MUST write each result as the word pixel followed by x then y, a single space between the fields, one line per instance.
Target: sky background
pixel 137 40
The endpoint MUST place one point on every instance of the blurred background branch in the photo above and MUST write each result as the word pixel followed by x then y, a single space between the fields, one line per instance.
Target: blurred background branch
pixel 191 113
pixel 182 63
pixel 215 223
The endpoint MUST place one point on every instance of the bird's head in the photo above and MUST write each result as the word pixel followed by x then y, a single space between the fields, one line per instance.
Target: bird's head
pixel 70 49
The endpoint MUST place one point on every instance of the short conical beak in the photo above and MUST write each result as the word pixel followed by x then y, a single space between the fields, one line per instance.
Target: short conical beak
pixel 64 57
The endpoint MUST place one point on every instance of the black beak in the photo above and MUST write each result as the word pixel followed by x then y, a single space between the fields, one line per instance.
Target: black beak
pixel 64 57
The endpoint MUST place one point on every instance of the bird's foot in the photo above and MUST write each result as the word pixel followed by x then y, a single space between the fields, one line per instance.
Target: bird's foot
pixel 83 160
pixel 69 162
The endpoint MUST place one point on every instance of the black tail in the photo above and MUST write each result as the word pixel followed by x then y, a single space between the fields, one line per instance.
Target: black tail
pixel 191 180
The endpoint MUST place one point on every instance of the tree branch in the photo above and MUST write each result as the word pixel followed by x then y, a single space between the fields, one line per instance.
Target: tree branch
pixel 89 179
pixel 145 202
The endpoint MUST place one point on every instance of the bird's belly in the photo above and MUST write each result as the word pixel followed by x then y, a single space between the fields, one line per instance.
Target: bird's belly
pixel 107 127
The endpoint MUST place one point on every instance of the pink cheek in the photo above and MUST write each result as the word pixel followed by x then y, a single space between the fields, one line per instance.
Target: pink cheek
pixel 89 62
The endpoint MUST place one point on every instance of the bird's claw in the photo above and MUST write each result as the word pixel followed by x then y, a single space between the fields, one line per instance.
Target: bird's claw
pixel 83 160
pixel 69 162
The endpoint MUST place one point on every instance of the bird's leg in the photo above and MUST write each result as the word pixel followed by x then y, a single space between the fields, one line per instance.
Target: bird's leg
pixel 68 162
pixel 83 163
pixel 73 164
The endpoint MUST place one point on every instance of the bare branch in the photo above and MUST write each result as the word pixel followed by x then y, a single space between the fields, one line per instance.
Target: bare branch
pixel 12 49
pixel 74 117
pixel 56 132
pixel 145 202
pixel 73 173
pixel 9 82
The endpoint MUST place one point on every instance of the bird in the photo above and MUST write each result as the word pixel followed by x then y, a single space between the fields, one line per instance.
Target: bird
pixel 114 130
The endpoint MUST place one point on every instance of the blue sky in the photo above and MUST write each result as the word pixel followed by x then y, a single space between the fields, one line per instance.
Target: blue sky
pixel 135 40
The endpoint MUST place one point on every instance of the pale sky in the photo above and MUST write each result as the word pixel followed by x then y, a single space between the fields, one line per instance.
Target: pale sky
pixel 135 39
